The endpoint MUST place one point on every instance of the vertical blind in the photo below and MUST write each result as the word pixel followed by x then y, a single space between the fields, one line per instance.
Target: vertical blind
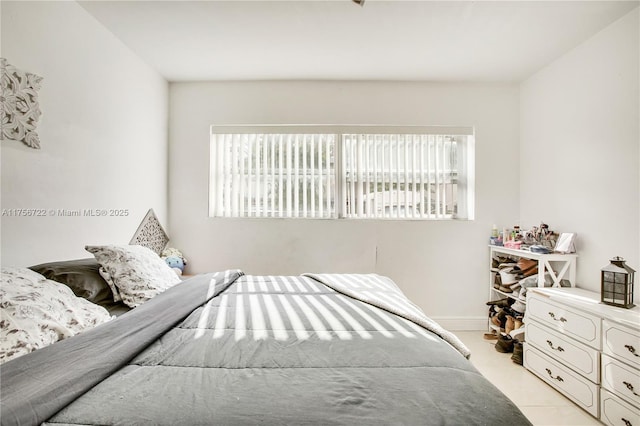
pixel 407 176
pixel 336 173
pixel 273 175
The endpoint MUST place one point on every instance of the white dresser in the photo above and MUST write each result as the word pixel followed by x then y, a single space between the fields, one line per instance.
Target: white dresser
pixel 586 350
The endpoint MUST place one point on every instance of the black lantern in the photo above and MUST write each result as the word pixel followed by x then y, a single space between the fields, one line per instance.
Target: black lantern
pixel 617 284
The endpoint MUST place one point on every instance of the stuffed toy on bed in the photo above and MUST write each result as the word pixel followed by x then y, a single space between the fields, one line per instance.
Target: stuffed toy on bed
pixel 174 259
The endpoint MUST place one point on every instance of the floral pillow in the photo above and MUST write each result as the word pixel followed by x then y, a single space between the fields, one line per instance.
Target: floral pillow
pixel 135 271
pixel 36 312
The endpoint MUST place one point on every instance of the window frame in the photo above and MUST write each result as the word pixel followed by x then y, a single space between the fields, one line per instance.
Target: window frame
pixel 466 161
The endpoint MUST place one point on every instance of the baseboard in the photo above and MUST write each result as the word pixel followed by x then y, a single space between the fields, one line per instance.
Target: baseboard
pixel 462 323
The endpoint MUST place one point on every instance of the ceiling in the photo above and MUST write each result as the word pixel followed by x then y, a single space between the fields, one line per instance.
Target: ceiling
pixel 339 40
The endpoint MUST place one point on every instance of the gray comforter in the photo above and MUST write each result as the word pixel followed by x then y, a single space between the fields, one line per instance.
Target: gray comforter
pixel 229 349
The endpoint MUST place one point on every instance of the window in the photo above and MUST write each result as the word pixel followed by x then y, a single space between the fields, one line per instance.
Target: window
pixel 273 175
pixel 360 172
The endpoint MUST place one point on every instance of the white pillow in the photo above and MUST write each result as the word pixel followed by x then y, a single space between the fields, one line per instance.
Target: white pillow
pixel 36 312
pixel 137 272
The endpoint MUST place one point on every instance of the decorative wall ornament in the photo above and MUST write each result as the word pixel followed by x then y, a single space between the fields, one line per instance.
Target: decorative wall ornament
pixel 150 234
pixel 20 110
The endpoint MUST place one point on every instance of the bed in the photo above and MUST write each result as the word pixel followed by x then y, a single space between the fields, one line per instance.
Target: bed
pixel 232 349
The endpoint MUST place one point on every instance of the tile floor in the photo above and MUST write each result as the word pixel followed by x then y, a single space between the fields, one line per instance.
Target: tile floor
pixel 538 401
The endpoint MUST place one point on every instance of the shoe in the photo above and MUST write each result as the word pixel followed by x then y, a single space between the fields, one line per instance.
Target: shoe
pixel 492 335
pixel 518 334
pixel 503 303
pixel 495 320
pixel 517 352
pixel 494 309
pixel 531 281
pixel 492 312
pixel 527 267
pixel 510 324
pixel 497 281
pixel 522 295
pixel 519 307
pixel 499 319
pixel 501 261
pixel 517 323
pixel 508 276
pixel 504 344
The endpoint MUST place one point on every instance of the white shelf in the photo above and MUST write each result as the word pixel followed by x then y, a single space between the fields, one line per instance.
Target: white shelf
pixel 531 255
pixel 509 295
pixel 563 267
pixel 559 266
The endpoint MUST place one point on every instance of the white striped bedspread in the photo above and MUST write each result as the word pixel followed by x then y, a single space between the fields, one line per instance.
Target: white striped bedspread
pixel 283 307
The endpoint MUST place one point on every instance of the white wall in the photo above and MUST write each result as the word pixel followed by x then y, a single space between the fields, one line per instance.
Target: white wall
pixel 103 134
pixel 579 148
pixel 442 266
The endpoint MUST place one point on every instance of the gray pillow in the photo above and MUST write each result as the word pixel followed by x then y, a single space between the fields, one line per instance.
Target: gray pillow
pixel 81 275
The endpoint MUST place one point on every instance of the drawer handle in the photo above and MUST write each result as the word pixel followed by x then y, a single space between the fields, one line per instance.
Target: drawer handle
pixel 558 378
pixel 553 316
pixel 631 349
pixel 630 387
pixel 559 348
pixel 626 422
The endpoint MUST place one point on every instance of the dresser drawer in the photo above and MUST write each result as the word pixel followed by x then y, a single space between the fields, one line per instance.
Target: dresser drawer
pixel 616 412
pixel 583 327
pixel 575 387
pixel 621 342
pixel 621 379
pixel 581 358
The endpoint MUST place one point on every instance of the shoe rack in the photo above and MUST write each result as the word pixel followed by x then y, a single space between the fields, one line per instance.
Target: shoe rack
pixel 557 266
